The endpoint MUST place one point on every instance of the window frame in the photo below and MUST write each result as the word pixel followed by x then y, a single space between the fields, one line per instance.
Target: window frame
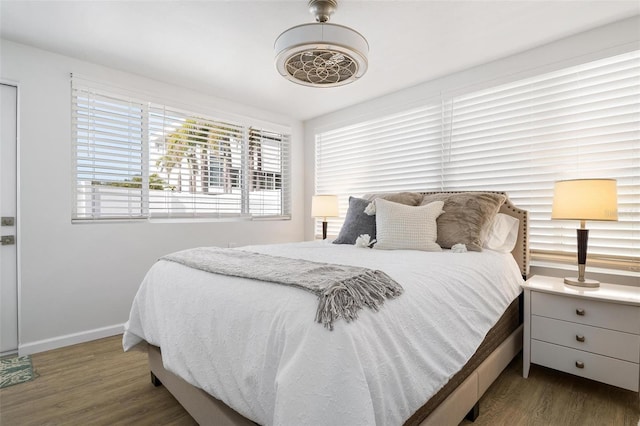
pixel 86 209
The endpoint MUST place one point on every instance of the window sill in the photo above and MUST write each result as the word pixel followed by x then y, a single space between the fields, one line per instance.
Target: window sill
pixel 614 276
pixel 198 219
pixel 183 219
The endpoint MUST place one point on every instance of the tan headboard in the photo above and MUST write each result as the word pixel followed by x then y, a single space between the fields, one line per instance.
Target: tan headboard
pixel 521 251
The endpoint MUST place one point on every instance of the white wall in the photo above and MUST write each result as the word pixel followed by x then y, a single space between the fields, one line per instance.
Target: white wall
pixel 78 280
pixel 609 40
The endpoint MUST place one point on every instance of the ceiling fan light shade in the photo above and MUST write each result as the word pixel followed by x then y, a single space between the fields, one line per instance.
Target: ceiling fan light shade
pixel 321 55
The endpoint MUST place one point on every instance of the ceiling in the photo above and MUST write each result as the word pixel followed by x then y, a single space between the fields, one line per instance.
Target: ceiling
pixel 225 48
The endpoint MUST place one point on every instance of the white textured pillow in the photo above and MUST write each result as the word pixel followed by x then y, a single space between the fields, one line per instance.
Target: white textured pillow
pixel 402 227
pixel 503 233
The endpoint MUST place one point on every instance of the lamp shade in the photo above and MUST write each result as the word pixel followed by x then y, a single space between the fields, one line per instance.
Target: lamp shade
pixel 324 206
pixel 585 199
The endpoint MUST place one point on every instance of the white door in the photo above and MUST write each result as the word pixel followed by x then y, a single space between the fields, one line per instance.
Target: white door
pixel 8 210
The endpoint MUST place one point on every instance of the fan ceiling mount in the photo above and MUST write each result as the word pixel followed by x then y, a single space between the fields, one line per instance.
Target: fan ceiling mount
pixel 321 54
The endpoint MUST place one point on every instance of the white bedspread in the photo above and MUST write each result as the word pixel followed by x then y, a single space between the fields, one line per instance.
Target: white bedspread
pixel 255 345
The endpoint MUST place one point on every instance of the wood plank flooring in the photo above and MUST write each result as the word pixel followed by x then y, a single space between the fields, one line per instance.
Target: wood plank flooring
pixel 550 397
pixel 96 383
pixel 93 383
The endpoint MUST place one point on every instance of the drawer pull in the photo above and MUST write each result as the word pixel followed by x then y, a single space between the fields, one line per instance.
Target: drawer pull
pixel 579 364
pixel 579 338
pixel 580 312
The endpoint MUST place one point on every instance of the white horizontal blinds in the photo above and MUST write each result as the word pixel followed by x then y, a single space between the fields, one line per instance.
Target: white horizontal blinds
pixel 195 165
pixel 108 137
pixel 138 159
pixel 580 122
pixel 268 173
pixel 397 152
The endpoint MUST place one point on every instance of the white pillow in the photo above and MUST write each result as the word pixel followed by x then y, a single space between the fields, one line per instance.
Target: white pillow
pixel 402 227
pixel 503 233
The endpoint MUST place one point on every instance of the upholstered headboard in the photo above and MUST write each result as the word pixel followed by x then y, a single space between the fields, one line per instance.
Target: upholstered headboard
pixel 521 250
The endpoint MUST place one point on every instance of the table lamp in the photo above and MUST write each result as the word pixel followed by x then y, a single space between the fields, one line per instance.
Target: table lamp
pixel 324 206
pixel 584 199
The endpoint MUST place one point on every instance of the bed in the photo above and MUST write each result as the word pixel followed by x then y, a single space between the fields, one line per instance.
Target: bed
pixel 264 360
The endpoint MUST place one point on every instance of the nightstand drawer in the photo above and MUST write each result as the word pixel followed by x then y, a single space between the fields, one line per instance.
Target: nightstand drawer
pixel 580 310
pixel 601 341
pixel 613 371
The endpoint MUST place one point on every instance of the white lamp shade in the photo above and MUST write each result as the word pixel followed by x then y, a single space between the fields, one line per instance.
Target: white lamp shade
pixel 324 206
pixel 585 199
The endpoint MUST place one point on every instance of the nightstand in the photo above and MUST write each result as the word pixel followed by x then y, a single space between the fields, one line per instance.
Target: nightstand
pixel 592 333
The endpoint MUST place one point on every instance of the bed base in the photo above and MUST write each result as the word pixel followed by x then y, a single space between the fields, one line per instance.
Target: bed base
pixel 205 409
pixel 461 403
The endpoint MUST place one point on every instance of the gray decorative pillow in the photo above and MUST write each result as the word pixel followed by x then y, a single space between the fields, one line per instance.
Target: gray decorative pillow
pixel 407 198
pixel 356 223
pixel 467 217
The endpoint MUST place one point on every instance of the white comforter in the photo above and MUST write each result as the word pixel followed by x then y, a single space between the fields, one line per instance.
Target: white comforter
pixel 255 345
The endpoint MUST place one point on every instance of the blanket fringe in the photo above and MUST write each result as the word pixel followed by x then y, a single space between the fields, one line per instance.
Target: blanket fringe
pixel 345 299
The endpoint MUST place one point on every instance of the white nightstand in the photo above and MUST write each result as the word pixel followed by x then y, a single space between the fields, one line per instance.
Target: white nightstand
pixel 593 333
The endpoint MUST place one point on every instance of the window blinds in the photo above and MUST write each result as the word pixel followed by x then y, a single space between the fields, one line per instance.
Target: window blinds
pixel 579 122
pixel 198 163
pixel 268 175
pixel 137 159
pixel 397 152
pixel 108 134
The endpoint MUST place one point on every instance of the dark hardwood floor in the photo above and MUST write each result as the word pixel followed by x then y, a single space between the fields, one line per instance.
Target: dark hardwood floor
pixel 96 383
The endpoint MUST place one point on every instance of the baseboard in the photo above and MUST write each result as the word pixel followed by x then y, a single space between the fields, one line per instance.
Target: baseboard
pixel 69 339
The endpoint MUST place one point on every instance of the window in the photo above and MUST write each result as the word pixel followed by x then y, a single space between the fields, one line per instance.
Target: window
pixel 521 137
pixel 137 159
pixel 109 160
pixel 216 171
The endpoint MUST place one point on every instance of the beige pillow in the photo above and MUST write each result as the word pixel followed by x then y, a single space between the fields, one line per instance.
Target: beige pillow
pixel 402 227
pixel 407 198
pixel 467 217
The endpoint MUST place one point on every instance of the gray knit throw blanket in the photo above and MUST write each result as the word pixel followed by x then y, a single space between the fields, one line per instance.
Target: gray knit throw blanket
pixel 342 290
